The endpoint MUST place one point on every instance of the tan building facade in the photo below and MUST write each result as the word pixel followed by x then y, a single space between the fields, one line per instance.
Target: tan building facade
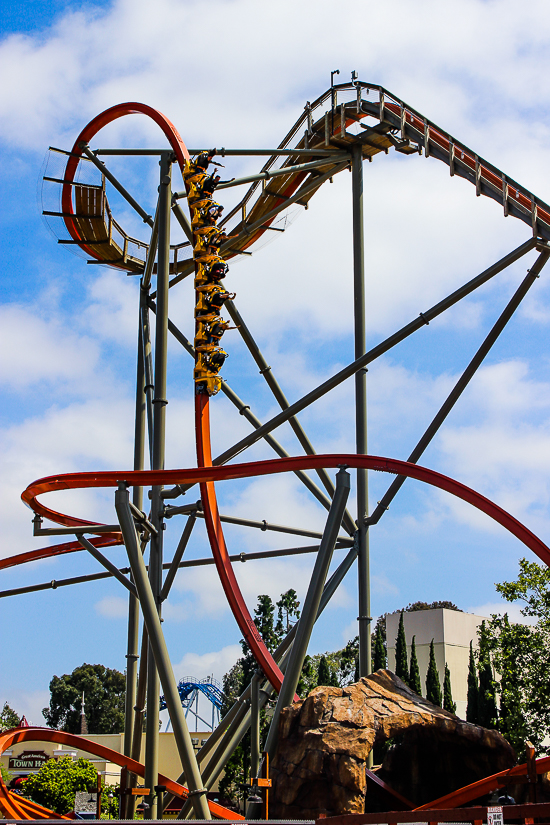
pixel 451 632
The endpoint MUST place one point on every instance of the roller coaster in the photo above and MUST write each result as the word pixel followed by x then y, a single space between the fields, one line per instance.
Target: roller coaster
pixel 351 122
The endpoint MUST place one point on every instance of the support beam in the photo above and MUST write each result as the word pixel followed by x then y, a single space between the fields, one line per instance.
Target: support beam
pixel 116 183
pixel 311 606
pixel 461 385
pixel 158 458
pixel 149 607
pixel 108 565
pixel 240 712
pixel 255 725
pixel 265 526
pixel 281 399
pixel 374 353
pixel 178 555
pixel 362 536
pixel 133 604
pixel 240 557
pixel 244 410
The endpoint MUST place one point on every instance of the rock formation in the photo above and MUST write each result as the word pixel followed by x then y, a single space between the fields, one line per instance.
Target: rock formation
pixel 324 741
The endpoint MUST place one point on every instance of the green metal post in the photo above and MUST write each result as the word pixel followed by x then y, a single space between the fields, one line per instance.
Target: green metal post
pixel 361 412
pixel 159 433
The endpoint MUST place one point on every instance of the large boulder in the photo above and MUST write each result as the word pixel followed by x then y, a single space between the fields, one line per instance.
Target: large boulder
pixel 324 741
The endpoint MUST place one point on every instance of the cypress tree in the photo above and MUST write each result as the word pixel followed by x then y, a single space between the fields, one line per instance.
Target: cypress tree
pixel 448 703
pixel 401 666
pixel 414 673
pixel 325 675
pixel 487 706
pixel 433 687
pixel 472 708
pixel 379 657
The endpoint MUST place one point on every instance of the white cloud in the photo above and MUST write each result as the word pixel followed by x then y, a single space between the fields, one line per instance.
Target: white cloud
pixel 500 608
pixel 112 607
pixel 42 350
pixel 200 665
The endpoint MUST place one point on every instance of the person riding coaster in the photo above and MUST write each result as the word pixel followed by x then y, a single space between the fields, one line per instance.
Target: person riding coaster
pixel 211 273
pixel 212 301
pixel 209 334
pixel 207 214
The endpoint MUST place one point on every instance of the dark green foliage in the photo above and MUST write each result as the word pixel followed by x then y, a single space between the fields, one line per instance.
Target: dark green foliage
pixel 325 674
pixel 521 657
pixel 287 610
pixel 104 691
pixel 308 677
pixel 487 706
pixel 472 711
pixel 533 588
pixel 448 703
pixel 8 718
pixel 238 678
pixel 57 781
pixel 412 608
pixel 348 663
pixel 379 651
pixel 263 619
pixel 401 665
pixel 433 686
pixel 414 672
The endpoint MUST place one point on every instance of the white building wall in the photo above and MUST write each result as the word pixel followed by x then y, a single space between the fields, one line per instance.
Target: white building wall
pixel 451 632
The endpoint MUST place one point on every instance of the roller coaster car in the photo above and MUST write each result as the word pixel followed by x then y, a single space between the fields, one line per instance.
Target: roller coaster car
pixel 210 386
pixel 210 333
pixel 212 301
pixel 206 214
pixel 210 274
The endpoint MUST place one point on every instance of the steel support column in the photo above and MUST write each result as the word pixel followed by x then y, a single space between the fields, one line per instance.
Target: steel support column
pixel 311 605
pixel 362 535
pixel 255 724
pixel 159 432
pixel 157 646
pixel 133 604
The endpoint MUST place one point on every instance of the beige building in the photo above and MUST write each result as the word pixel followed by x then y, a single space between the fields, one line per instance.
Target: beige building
pixel 26 757
pixel 451 632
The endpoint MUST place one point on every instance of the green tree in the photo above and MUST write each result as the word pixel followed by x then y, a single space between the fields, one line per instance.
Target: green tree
pixel 308 677
pixel 448 703
pixel 433 687
pixel 531 587
pixel 287 612
pixel 8 718
pixel 238 678
pixel 472 712
pixel 104 691
pixel 5 775
pixel 401 665
pixel 379 650
pixel 487 705
pixel 264 621
pixel 521 658
pixel 325 674
pixel 57 781
pixel 348 663
pixel 414 672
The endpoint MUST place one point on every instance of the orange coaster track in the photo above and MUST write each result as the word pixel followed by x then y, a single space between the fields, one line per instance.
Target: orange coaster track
pixel 296 186
pixel 12 803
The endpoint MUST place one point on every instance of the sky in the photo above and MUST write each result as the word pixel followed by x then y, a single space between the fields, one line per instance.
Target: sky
pixel 236 73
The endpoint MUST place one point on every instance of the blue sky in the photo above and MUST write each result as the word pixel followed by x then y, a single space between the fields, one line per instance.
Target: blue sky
pixel 235 74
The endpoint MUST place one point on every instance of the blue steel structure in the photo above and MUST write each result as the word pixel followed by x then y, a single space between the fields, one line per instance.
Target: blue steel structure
pixel 189 690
